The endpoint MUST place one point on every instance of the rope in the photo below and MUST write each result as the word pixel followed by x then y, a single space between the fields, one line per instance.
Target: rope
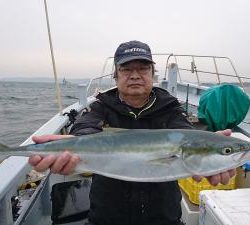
pixel 58 90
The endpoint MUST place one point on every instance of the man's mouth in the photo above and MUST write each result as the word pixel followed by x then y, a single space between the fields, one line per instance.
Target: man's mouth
pixel 134 85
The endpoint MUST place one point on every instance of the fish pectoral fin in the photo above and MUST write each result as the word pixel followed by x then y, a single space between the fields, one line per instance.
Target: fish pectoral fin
pixel 164 160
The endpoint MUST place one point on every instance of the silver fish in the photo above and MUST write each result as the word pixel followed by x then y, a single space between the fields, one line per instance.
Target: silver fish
pixel 147 155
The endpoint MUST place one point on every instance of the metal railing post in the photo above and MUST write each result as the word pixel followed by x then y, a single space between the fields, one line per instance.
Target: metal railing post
pixel 82 93
pixel 178 71
pixel 241 83
pixel 216 70
pixel 172 79
pixel 195 70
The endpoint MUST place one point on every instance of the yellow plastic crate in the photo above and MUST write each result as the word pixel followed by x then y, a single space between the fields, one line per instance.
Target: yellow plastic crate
pixel 193 188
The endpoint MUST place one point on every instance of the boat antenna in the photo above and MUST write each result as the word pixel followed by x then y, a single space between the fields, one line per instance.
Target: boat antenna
pixel 58 90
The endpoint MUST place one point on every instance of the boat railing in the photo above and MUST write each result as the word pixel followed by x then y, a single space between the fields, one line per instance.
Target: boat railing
pixel 213 66
pixel 98 84
pixel 202 70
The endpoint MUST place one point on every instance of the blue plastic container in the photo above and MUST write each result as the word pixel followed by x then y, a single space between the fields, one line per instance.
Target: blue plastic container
pixel 246 166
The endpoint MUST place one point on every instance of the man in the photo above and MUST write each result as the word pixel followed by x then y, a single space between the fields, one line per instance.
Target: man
pixel 134 104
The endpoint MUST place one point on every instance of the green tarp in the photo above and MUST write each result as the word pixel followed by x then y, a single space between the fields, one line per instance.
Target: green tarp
pixel 223 106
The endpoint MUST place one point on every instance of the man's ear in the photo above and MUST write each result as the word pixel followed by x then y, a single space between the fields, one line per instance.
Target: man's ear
pixel 115 80
pixel 115 75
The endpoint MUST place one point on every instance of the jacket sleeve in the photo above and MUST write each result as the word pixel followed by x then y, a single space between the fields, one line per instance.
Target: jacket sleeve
pixel 91 121
pixel 178 119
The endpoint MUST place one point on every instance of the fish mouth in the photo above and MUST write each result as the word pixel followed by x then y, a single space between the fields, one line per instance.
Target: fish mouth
pixel 212 164
pixel 241 157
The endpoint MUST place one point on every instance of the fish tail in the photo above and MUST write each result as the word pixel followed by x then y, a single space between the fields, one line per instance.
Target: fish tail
pixel 4 150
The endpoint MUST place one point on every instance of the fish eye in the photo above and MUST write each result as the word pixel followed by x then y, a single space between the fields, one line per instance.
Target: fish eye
pixel 226 151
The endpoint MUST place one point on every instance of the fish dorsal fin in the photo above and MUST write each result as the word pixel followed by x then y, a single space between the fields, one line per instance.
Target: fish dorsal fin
pixel 113 129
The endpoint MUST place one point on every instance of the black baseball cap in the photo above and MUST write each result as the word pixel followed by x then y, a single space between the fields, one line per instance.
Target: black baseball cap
pixel 132 50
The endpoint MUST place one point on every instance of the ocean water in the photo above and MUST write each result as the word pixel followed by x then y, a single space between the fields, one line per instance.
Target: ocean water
pixel 25 106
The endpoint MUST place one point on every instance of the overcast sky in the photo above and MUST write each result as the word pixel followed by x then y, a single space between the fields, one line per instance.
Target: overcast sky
pixel 85 32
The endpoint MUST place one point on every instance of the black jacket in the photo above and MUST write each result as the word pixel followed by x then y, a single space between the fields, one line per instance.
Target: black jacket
pixel 115 202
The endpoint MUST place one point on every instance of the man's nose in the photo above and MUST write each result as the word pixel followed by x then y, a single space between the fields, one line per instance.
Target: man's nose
pixel 134 73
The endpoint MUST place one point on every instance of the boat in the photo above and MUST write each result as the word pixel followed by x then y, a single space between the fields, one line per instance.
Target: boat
pixel 39 204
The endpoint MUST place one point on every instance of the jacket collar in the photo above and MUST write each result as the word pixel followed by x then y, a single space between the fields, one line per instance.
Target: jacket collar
pixel 159 98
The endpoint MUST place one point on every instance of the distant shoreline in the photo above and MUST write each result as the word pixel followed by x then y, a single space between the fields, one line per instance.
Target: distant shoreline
pixel 73 80
pixel 42 80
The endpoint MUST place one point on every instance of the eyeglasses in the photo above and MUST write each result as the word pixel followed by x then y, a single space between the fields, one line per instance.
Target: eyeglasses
pixel 142 70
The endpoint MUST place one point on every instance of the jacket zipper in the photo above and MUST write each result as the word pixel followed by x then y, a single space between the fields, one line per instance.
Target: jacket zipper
pixel 149 106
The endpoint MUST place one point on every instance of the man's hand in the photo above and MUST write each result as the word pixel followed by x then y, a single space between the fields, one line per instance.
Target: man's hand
pixel 224 177
pixel 64 163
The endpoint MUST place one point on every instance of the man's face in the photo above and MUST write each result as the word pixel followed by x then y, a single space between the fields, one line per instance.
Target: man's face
pixel 135 78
